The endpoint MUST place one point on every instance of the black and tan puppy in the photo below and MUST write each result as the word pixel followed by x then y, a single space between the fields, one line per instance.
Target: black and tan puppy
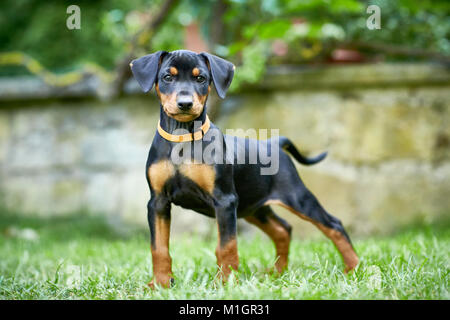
pixel 216 183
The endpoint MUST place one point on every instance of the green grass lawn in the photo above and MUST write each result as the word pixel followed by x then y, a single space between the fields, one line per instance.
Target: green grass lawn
pixel 82 258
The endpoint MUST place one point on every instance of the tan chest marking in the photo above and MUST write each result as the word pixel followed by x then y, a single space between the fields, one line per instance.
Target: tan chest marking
pixel 159 173
pixel 202 174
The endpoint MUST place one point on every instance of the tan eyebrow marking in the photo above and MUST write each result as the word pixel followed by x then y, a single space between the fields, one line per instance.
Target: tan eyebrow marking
pixel 195 72
pixel 173 71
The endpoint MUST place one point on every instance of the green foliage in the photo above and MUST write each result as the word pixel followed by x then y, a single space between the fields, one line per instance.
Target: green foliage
pixel 254 59
pixel 256 33
pixel 413 24
pixel 38 28
pixel 311 29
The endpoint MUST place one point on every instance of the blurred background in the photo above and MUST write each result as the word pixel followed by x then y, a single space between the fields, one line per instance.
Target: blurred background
pixel 75 129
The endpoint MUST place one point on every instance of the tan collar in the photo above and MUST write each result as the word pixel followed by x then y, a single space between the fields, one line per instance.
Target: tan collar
pixel 197 135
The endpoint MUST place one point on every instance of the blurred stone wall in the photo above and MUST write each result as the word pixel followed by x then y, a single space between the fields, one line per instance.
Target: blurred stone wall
pixel 386 128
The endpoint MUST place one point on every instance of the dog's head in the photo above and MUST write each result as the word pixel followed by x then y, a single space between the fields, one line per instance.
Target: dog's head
pixel 182 80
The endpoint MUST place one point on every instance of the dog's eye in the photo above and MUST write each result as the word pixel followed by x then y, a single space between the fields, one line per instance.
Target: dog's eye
pixel 200 79
pixel 168 78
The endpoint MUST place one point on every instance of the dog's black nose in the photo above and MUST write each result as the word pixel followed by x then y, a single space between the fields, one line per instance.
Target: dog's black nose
pixel 184 102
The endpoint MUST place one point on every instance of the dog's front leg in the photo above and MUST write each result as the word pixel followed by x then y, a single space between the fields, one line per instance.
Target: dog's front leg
pixel 226 251
pixel 159 223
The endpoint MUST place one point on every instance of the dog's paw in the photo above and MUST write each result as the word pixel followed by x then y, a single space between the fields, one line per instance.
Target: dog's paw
pixel 351 265
pixel 275 270
pixel 226 277
pixel 167 282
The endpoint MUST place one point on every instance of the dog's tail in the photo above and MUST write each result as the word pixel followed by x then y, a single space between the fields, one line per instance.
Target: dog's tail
pixel 288 146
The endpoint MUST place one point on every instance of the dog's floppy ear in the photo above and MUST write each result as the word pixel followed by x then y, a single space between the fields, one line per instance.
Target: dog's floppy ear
pixel 222 72
pixel 145 69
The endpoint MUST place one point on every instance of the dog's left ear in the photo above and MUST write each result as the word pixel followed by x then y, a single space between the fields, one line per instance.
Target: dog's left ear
pixel 222 72
pixel 145 69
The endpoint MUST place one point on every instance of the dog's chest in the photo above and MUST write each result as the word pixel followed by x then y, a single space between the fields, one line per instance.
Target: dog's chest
pixel 165 177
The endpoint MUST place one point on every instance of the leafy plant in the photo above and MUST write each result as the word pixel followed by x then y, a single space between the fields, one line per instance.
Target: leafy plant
pixel 252 33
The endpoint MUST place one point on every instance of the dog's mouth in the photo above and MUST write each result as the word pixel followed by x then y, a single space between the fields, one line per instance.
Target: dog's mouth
pixel 170 107
pixel 182 116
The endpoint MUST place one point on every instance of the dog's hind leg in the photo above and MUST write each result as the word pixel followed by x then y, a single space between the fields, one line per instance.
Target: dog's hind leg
pixel 305 205
pixel 277 229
